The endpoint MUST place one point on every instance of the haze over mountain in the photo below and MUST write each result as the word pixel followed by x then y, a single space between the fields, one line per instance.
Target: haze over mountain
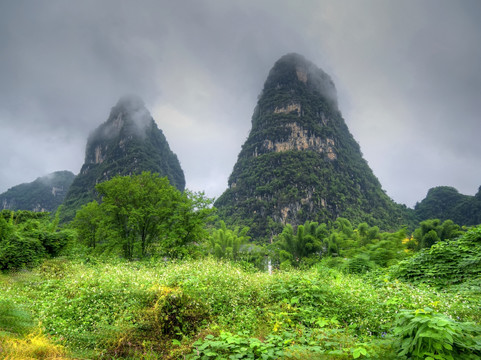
pixel 407 74
pixel 128 143
pixel 300 162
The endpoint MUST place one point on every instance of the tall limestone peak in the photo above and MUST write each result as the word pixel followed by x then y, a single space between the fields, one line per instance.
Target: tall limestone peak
pixel 129 142
pixel 300 162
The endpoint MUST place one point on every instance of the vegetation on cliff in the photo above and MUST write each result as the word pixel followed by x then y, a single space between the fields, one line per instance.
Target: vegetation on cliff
pixel 445 202
pixel 300 161
pixel 46 193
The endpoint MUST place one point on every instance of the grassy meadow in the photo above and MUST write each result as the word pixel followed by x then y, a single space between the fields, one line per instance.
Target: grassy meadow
pixel 211 309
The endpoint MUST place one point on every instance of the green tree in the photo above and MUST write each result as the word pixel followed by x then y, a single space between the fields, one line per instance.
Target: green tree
pixel 432 231
pixel 144 211
pixel 306 242
pixel 227 243
pixel 136 209
pixel 187 222
pixel 87 223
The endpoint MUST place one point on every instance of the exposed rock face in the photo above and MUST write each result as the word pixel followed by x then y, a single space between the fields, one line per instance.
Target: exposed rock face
pixel 300 139
pixel 300 161
pixel 44 194
pixel 129 142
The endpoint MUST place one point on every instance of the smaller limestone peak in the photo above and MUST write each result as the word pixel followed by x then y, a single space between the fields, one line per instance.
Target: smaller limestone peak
pixel 129 142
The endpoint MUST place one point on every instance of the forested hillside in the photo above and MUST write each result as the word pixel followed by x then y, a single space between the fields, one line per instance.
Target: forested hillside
pixel 46 193
pixel 445 202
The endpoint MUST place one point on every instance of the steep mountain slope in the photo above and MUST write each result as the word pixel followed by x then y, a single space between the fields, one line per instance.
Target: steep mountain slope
pixel 46 193
pixel 445 202
pixel 300 161
pixel 129 142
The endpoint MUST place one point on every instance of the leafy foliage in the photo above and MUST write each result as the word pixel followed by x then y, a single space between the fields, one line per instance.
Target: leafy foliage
pixel 143 214
pixel 431 231
pixel 26 238
pixel 168 310
pixel 425 334
pixel 446 262
pixel 364 247
pixel 308 241
pixel 225 243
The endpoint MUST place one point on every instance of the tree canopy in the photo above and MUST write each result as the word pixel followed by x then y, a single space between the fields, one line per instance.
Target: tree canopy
pixel 143 214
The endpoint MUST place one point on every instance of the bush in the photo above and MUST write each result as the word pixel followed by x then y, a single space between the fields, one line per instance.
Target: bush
pixel 54 268
pixel 17 252
pixel 445 263
pixel 359 264
pixel 172 316
pixel 425 334
pixel 174 313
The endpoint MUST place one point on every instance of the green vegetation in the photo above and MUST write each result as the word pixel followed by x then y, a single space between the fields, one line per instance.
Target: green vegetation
pixel 426 334
pixel 309 258
pixel 432 231
pixel 337 291
pixel 143 215
pixel 445 202
pixel 210 309
pixel 225 243
pixel 456 261
pixel 27 238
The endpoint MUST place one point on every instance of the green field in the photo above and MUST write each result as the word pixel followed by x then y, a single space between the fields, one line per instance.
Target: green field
pixel 209 309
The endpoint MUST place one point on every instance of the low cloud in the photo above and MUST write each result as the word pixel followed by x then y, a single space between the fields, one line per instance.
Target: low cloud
pixel 407 75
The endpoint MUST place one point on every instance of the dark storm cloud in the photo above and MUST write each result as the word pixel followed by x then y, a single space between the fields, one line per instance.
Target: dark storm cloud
pixel 408 77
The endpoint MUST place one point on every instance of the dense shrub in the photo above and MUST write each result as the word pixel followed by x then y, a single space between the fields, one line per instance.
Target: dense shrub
pixel 425 334
pixel 17 252
pixel 26 238
pixel 445 263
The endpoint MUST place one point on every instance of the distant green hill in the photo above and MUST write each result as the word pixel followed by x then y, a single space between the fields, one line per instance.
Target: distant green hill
pixel 445 202
pixel 46 193
pixel 300 162
pixel 129 142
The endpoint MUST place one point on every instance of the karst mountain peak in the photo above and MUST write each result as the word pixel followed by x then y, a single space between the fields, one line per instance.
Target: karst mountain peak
pixel 294 68
pixel 300 162
pixel 127 143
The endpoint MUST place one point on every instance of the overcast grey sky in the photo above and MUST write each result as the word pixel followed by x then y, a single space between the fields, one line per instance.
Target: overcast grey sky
pixel 408 75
